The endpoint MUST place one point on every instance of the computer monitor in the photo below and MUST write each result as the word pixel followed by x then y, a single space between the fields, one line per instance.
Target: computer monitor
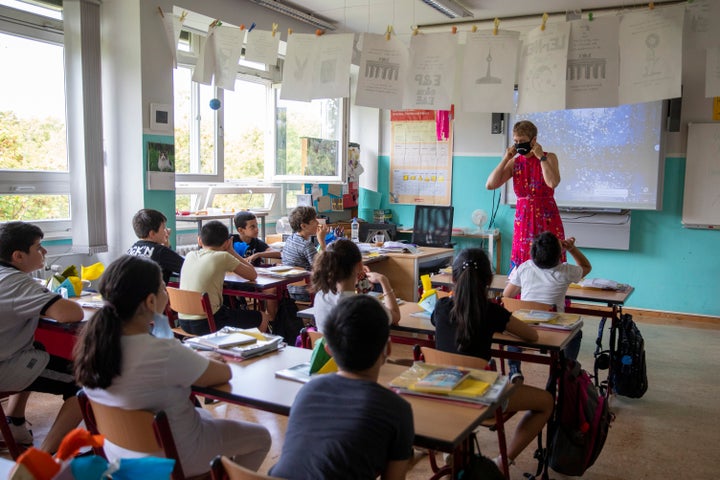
pixel 433 226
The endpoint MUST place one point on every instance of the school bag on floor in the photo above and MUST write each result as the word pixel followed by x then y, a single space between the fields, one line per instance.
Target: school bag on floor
pixel 582 424
pixel 628 375
pixel 286 322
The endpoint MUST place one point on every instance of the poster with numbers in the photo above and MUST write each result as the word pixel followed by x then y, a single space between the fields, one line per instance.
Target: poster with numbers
pixel 420 164
pixel 431 76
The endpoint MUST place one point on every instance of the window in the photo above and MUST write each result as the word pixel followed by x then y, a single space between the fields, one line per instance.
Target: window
pixel 33 150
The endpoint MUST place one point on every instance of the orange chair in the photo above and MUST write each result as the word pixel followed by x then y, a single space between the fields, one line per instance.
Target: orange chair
pixel 137 430
pixel 7 435
pixel 222 468
pixel 189 302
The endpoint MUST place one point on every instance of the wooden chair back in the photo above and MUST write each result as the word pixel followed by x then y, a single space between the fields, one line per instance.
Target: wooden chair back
pixel 189 302
pixel 137 430
pixel 512 304
pixel 222 468
pixel 436 357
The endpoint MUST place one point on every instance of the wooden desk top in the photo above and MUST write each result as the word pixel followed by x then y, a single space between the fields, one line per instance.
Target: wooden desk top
pixel 422 252
pixel 264 280
pixel 254 384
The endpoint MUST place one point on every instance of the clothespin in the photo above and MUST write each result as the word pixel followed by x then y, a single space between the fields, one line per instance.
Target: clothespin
pixel 274 29
pixel 161 12
pixel 252 26
pixel 215 23
pixel 454 29
pixel 544 21
pixel 388 32
pixel 474 29
pixel 496 24
pixel 242 27
pixel 651 5
pixel 289 31
pixel 319 32
pixel 183 16
pixel 590 16
pixel 415 30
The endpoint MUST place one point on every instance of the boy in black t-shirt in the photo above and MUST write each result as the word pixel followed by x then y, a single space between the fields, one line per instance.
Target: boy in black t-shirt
pixel 151 228
pixel 246 242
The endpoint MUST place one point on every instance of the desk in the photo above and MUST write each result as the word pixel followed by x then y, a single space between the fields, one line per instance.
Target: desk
pixel 59 338
pixel 199 219
pixel 403 269
pixel 254 384
pixel 242 287
pixel 493 237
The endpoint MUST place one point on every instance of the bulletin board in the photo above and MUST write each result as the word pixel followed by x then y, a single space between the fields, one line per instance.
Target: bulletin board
pixel 701 201
pixel 421 158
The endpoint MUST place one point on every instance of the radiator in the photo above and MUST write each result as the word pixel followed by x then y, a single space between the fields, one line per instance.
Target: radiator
pixel 184 249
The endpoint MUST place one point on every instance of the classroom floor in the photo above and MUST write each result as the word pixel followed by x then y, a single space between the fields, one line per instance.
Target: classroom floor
pixel 672 432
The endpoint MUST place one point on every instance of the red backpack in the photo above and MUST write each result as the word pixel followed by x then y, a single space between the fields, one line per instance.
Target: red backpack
pixel 582 423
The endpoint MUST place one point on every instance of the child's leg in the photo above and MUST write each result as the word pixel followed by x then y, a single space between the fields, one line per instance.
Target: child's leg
pixel 539 406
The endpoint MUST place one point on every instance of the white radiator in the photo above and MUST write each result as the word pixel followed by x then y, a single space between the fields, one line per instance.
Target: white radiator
pixel 184 249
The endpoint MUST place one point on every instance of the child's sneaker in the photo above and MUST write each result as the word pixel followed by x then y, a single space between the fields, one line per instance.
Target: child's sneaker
pixel 516 375
pixel 21 434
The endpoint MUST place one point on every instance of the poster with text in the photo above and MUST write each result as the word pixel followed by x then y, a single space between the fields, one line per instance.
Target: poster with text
pixel 331 66
pixel 262 46
pixel 420 164
pixel 431 77
pixel 651 54
pixel 543 64
pixel 488 72
pixel 593 63
pixel 383 68
pixel 298 67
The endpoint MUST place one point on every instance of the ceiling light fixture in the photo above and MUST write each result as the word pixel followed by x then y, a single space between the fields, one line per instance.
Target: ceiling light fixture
pixel 449 8
pixel 295 13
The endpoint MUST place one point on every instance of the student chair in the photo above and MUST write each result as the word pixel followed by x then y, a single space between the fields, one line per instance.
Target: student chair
pixel 437 357
pixel 222 468
pixel 7 435
pixel 137 430
pixel 189 302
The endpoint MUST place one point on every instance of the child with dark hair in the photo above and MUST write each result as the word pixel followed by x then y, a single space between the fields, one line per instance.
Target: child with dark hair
pixel 465 323
pixel 204 271
pixel 335 273
pixel 150 227
pixel 346 425
pixel 246 242
pixel 545 278
pixel 299 249
pixel 120 364
pixel 25 366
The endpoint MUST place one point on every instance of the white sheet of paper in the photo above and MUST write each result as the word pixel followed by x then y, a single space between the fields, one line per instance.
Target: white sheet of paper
pixel 172 26
pixel 383 68
pixel 543 65
pixel 228 48
pixel 701 18
pixel 205 67
pixel 651 54
pixel 262 47
pixel 331 68
pixel 431 77
pixel 712 72
pixel 298 69
pixel 593 63
pixel 489 70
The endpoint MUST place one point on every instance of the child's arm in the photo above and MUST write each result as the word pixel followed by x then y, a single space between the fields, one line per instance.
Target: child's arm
pixel 322 230
pixel 580 258
pixel 395 470
pixel 265 254
pixel 244 268
pixel 65 311
pixel 522 330
pixel 389 299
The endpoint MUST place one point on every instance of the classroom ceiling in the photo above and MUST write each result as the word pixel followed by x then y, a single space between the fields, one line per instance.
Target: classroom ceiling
pixel 375 15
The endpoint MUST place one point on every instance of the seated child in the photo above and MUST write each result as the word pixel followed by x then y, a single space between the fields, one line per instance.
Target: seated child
pixel 204 271
pixel 25 366
pixel 544 278
pixel 151 228
pixel 246 242
pixel 345 424
pixel 299 249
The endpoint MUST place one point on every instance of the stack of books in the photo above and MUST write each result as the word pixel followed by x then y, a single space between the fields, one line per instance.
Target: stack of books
pixel 237 342
pixel 451 383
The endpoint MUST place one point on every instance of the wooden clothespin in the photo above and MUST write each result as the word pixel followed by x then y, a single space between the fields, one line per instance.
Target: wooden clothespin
pixel 415 30
pixel 274 29
pixel 215 23
pixel 389 32
pixel 474 29
pixel 289 31
pixel 454 29
pixel 161 12
pixel 544 21
pixel 496 24
pixel 590 16
pixel 242 26
pixel 651 5
pixel 183 16
pixel 319 32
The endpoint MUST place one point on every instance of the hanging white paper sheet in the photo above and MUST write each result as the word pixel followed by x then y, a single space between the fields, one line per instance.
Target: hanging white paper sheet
pixel 205 67
pixel 228 48
pixel 701 17
pixel 172 26
pixel 262 47
pixel 543 64
pixel 383 68
pixel 489 70
pixel 651 54
pixel 431 78
pixel 298 68
pixel 593 63
pixel 331 66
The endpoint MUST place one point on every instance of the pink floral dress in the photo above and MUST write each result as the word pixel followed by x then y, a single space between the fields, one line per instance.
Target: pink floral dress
pixel 536 210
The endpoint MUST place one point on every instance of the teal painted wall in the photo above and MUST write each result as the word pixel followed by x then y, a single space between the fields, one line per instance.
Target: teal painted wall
pixel 672 268
pixel 162 200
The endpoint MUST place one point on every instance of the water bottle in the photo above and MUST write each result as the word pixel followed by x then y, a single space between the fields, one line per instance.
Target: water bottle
pixel 355 230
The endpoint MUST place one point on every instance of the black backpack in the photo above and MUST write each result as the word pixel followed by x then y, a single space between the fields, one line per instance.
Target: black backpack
pixel 582 422
pixel 628 374
pixel 286 322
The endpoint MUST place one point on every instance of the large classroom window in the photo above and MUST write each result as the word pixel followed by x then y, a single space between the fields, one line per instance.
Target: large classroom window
pixel 33 149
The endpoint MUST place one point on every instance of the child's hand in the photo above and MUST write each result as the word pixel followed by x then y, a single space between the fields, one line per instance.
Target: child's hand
pixel 375 277
pixel 568 243
pixel 322 230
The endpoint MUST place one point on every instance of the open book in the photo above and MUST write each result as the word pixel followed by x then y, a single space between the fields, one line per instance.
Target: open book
pixel 553 320
pixel 440 380
pixel 261 343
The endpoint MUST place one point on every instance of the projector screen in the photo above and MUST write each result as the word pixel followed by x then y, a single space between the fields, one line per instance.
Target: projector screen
pixel 610 158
